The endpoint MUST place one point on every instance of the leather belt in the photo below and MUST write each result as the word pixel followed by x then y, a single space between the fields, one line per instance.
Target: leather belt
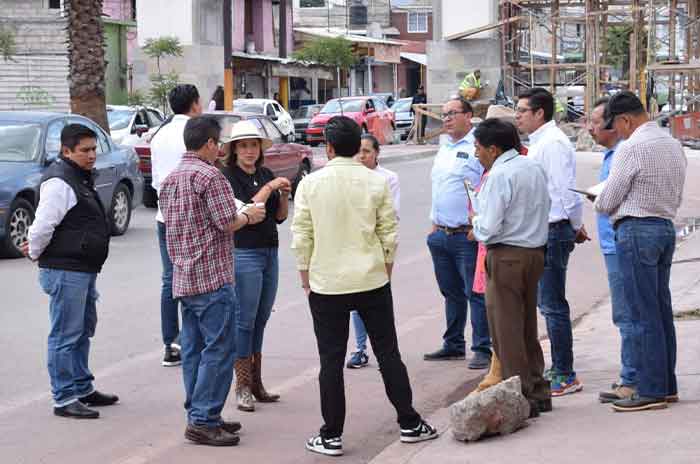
pixel 455 230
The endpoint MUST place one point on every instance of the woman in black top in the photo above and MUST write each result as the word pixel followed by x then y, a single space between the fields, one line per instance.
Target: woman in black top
pixel 255 255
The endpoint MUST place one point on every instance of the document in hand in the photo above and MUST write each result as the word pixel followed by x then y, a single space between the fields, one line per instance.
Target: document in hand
pixel 593 191
pixel 472 194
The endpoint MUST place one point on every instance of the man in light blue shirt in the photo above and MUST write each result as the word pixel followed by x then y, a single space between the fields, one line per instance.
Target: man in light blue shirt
pixel 454 257
pixel 621 315
pixel 512 220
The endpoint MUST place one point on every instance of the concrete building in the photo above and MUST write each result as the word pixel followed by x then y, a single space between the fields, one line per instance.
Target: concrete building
pixel 414 21
pixel 35 78
pixel 452 56
pixel 259 64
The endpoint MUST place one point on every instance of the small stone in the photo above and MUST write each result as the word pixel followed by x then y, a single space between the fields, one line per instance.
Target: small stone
pixel 499 410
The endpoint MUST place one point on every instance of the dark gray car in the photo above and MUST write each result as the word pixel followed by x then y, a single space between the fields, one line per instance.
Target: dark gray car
pixel 29 142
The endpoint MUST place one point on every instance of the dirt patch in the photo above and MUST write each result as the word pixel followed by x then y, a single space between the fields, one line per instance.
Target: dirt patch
pixel 692 315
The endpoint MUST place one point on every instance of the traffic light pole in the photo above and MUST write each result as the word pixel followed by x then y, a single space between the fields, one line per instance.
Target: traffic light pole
pixel 228 59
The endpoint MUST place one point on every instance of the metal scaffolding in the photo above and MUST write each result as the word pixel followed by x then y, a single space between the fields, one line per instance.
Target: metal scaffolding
pixel 562 43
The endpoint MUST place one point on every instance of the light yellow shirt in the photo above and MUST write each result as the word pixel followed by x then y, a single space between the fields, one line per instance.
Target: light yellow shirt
pixel 344 228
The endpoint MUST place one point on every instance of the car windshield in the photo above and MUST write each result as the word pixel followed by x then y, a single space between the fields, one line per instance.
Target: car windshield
pixel 351 106
pixel 119 119
pixel 301 113
pixel 19 141
pixel 227 122
pixel 402 106
pixel 243 107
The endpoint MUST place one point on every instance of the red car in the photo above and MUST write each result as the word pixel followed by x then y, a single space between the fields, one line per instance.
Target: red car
pixel 289 160
pixel 371 113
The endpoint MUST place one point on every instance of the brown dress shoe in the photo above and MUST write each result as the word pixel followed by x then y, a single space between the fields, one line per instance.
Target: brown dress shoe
pixel 212 436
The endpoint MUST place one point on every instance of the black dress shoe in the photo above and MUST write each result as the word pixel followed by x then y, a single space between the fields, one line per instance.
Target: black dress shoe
pixel 443 355
pixel 99 399
pixel 231 427
pixel 534 409
pixel 212 436
pixel 480 360
pixel 639 403
pixel 76 410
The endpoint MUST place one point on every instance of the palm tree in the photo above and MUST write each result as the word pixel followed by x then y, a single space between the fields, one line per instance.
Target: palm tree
pixel 86 54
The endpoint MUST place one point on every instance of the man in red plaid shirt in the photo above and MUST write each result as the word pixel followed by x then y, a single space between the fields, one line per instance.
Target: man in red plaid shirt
pixel 198 206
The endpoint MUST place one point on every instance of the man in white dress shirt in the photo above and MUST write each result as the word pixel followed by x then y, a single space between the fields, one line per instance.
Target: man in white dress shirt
pixel 552 149
pixel 70 240
pixel 167 148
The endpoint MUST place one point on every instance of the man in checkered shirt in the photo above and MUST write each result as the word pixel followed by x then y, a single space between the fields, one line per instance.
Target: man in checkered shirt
pixel 200 217
pixel 642 195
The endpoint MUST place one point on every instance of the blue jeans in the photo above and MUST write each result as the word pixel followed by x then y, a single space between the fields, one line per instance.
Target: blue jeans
pixel 360 331
pixel 622 318
pixel 73 318
pixel 208 351
pixel 257 274
pixel 645 247
pixel 169 325
pixel 454 260
pixel 551 297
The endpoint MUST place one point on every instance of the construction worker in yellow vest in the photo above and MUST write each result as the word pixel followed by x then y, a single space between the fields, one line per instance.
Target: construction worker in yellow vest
pixel 470 88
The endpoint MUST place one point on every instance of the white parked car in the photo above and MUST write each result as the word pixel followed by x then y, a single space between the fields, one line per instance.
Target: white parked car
pixel 127 124
pixel 269 108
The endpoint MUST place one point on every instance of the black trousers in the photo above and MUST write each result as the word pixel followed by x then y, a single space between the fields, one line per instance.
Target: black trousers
pixel 331 315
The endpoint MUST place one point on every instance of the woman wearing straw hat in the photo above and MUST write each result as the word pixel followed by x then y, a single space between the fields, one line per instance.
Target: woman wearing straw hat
pixel 255 254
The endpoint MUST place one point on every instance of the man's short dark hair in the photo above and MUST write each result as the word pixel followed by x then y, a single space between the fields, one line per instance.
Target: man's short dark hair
pixel 499 133
pixel 540 99
pixel 199 130
pixel 72 134
pixel 624 102
pixel 343 134
pixel 601 101
pixel 466 106
pixel 182 97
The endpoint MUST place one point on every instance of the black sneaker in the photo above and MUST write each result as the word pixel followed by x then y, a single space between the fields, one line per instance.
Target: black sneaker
pixel 443 355
pixel 172 356
pixel 327 446
pixel 422 432
pixel 357 360
pixel 639 403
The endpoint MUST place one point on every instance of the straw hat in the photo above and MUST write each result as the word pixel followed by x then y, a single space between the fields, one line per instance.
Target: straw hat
pixel 245 130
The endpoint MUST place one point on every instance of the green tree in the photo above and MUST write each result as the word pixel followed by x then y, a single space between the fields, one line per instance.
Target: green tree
pixel 7 44
pixel 162 47
pixel 617 44
pixel 333 52
pixel 161 84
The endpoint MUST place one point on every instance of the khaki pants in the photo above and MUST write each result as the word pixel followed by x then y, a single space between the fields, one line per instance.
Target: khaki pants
pixel 512 275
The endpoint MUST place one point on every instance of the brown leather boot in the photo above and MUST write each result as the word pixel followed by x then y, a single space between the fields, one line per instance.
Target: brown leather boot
pixel 494 375
pixel 244 396
pixel 257 388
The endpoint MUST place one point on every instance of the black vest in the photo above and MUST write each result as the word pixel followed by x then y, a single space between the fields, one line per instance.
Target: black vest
pixel 81 241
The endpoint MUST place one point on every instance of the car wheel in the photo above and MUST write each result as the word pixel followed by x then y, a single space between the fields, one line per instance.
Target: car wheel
pixel 150 197
pixel 120 210
pixel 17 227
pixel 304 170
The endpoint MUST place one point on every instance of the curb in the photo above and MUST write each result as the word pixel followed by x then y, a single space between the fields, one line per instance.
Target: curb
pixel 389 159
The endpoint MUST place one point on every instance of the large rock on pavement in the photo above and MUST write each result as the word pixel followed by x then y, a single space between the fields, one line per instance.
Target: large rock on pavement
pixel 501 409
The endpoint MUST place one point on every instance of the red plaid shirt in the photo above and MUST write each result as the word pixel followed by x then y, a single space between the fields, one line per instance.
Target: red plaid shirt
pixel 197 204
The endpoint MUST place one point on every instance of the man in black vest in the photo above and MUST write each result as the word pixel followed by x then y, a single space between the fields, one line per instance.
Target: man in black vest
pixel 70 239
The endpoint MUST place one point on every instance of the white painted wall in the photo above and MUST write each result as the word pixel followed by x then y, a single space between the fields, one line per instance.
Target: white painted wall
pixel 160 18
pixel 462 15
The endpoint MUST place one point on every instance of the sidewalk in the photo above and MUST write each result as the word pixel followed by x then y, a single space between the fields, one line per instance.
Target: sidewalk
pixel 580 429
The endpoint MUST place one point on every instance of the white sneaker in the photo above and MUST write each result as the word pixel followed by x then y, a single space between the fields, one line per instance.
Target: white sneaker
pixel 422 432
pixel 329 447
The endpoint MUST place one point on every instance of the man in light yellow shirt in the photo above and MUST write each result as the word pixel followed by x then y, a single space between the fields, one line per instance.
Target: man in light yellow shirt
pixel 344 237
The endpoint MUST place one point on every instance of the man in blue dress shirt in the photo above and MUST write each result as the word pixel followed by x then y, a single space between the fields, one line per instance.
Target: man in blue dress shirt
pixel 621 315
pixel 454 257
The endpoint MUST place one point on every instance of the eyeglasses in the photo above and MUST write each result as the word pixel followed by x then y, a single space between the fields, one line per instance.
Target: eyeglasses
pixel 451 114
pixel 522 110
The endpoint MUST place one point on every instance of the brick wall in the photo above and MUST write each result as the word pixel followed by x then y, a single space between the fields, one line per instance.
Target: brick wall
pixel 36 77
pixel 399 20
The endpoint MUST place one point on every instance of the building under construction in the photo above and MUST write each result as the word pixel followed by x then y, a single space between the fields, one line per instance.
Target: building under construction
pixel 648 46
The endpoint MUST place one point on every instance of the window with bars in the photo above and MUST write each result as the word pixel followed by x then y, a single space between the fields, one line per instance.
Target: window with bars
pixel 417 22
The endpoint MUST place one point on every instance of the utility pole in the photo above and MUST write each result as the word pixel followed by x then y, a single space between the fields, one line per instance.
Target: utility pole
pixel 228 59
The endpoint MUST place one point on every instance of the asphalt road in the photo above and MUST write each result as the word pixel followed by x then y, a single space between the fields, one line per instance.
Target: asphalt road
pixel 148 424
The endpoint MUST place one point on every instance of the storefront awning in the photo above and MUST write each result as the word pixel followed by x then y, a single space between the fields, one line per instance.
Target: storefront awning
pixel 420 58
